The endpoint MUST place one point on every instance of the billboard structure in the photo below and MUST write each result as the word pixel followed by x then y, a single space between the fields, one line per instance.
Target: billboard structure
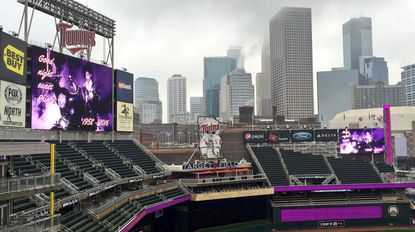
pixel 362 141
pixel 124 86
pixel 124 119
pixel 124 101
pixel 210 144
pixel 70 93
pixel 12 104
pixel 13 62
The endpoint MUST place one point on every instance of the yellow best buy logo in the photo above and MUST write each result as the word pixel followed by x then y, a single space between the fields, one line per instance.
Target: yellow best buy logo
pixel 13 59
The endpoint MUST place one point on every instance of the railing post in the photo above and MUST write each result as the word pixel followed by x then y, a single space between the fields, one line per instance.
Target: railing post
pixel 52 182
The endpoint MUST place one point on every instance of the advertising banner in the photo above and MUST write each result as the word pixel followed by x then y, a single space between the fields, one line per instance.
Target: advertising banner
pixel 12 104
pixel 13 62
pixel 254 137
pixel 362 141
pixel 124 86
pixel 326 135
pixel 70 93
pixel 125 112
pixel 278 136
pixel 302 135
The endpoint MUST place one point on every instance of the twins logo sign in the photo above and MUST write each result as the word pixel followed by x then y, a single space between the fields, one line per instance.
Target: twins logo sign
pixel 210 141
pixel 75 40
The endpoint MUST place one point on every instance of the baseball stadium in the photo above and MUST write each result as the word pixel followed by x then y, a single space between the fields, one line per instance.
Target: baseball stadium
pixel 72 157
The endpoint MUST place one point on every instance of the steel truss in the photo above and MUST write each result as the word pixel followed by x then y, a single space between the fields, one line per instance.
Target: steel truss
pixel 74 13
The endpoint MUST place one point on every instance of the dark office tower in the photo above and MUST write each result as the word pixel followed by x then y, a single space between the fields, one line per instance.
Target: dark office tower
pixel 292 63
pixel 214 69
pixel 357 41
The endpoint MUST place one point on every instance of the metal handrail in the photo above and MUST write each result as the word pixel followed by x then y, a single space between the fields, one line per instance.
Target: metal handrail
pixel 89 178
pixel 35 224
pixel 69 184
pixel 15 184
pixel 151 188
pixel 223 179
pixel 112 173
pixel 141 210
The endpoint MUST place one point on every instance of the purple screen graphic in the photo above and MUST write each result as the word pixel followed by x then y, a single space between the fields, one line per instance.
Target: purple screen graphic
pixel 335 213
pixel 69 93
pixel 362 141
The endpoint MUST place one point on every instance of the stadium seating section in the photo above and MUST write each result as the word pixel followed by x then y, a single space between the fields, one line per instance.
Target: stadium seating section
pixel 130 150
pixel 304 164
pixel 271 163
pixel 102 153
pixel 22 204
pixel 72 176
pixel 382 167
pixel 82 222
pixel 23 167
pixel 350 171
pixel 84 165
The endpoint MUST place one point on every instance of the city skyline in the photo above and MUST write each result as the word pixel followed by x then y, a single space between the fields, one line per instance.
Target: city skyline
pixel 145 36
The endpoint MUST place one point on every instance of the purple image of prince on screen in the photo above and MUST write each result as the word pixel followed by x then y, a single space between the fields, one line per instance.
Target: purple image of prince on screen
pixel 70 93
pixel 362 141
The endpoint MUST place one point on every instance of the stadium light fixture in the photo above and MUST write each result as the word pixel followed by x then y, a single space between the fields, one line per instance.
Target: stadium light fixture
pixel 1 27
pixel 48 45
pixel 124 69
pixel 13 33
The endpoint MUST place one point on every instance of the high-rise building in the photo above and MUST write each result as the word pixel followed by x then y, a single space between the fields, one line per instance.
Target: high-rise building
pixel 334 92
pixel 408 79
pixel 196 105
pixel 263 83
pixel 292 63
pixel 357 41
pixel 214 69
pixel 147 100
pixel 176 96
pixel 235 52
pixel 372 70
pixel 377 95
pixel 263 95
pixel 236 90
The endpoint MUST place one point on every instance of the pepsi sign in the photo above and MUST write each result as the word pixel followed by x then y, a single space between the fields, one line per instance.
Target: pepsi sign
pixel 302 135
pixel 254 136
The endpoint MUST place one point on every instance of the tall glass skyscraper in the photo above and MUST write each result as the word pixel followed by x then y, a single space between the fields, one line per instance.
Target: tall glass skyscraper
pixel 372 70
pixel 214 69
pixel 147 100
pixel 357 41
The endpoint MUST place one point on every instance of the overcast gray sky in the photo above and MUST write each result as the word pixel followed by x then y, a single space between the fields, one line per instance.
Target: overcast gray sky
pixel 158 38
